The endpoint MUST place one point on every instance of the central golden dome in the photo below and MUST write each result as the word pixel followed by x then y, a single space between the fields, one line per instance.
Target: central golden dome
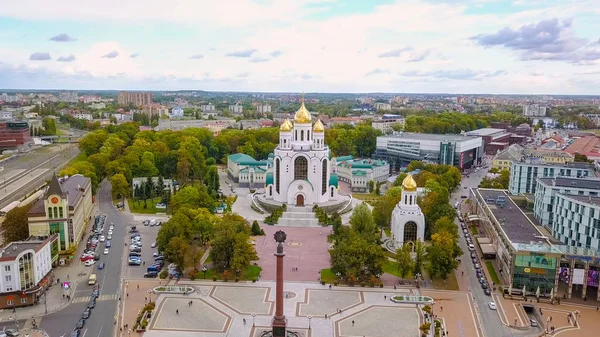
pixel 409 184
pixel 302 115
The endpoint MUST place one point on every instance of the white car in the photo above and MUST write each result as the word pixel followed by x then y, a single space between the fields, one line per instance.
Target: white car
pixel 153 245
pixel 90 263
pixel 102 238
pixel 492 305
pixel 471 247
pixel 110 232
pixel 111 227
pixel 109 237
pixel 106 251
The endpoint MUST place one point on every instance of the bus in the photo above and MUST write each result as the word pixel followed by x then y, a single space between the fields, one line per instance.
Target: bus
pixel 9 207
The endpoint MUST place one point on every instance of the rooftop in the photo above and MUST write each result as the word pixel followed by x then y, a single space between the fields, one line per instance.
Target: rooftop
pixel 430 136
pixel 593 201
pixel 13 249
pixel 73 188
pixel 485 132
pixel 516 226
pixel 585 145
pixel 587 183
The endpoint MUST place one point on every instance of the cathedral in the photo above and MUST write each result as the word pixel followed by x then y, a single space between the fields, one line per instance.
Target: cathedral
pixel 301 173
pixel 408 222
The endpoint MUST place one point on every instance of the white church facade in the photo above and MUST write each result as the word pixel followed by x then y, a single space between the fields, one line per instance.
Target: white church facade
pixel 408 222
pixel 301 172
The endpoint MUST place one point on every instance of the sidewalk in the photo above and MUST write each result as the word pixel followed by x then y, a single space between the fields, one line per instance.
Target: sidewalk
pixel 53 300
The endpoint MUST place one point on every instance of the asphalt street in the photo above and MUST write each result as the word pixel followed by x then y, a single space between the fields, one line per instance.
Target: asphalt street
pixel 101 320
pixel 489 319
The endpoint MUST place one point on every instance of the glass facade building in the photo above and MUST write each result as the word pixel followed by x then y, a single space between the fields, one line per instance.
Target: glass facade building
pixel 534 270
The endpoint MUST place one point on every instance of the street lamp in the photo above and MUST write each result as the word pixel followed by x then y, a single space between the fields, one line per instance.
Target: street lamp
pixel 150 295
pixel 253 315
pixel 338 274
pixel 204 269
pixel 309 318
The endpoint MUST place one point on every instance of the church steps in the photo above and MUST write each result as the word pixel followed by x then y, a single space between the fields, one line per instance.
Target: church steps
pixel 298 217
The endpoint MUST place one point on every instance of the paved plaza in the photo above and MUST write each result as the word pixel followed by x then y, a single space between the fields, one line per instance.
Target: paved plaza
pixel 219 309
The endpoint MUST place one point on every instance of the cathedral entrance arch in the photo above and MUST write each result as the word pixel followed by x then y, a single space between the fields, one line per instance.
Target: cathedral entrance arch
pixel 410 231
pixel 300 200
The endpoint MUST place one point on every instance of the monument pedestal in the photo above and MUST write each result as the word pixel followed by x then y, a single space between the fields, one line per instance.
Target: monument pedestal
pixel 279 327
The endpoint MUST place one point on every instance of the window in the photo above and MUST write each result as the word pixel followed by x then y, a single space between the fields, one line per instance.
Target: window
pixel 307 135
pixel 6 268
pixel 300 168
pixel 23 300
pixel 277 173
pixel 9 289
pixel 49 212
pixel 60 212
pixel 55 213
pixel 324 177
pixel 410 232
pixel 10 302
pixel 332 189
pixel 8 278
pixel 301 135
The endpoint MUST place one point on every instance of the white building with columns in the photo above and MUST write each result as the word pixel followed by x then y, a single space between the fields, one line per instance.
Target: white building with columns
pixel 408 222
pixel 301 174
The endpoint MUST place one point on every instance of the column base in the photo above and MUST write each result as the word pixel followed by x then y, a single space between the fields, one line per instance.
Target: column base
pixel 279 327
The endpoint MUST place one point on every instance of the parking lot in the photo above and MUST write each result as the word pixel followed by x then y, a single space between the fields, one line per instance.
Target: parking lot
pixel 148 236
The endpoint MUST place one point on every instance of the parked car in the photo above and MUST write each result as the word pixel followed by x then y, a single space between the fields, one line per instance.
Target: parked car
pixel 106 251
pixel 90 263
pixel 101 266
pixel 533 322
pixel 153 245
pixel 86 314
pixel 80 324
pixel 471 247
pixel 487 292
pixel 151 274
pixel 492 305
pixel 11 332
pixel 134 254
pixel 91 303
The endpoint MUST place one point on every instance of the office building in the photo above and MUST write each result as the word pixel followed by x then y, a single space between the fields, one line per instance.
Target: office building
pixel 359 172
pixel 134 98
pixel 493 139
pixel 64 210
pixel 26 268
pixel 385 125
pixel 247 171
pixel 523 173
pixel 458 150
pixel 547 190
pixel 263 108
pixel 534 110
pixel 526 255
pixel 236 109
pixel 383 106
pixel 13 134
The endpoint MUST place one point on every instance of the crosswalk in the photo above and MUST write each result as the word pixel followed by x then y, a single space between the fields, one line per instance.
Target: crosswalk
pixel 82 299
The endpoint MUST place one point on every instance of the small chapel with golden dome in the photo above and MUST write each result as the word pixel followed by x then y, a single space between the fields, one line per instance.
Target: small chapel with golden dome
pixel 301 174
pixel 408 222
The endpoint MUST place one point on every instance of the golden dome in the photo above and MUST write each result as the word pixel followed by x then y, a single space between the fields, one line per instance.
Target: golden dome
pixel 302 115
pixel 409 184
pixel 318 126
pixel 286 126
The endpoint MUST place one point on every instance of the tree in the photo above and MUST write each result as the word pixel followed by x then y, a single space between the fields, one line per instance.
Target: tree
pixel 49 125
pixel 382 212
pixel 193 255
pixel 256 230
pixel 120 187
pixel 442 255
pixel 581 158
pixel 354 256
pixel 362 222
pixel 419 251
pixel 445 224
pixel 405 262
pixel 230 246
pixel 16 226
pixel 176 251
pixel 212 180
pixel 371 186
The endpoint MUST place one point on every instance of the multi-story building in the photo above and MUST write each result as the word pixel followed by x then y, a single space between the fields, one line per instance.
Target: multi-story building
pixel 385 125
pixel 594 118
pixel 25 269
pixel 155 109
pixel 137 182
pixel 8 98
pixel 90 99
pixel 69 97
pixel 527 255
pixel 64 210
pixel 176 112
pixel 134 98
pixel 523 173
pixel 576 220
pixel 263 108
pixel 14 133
pixel 6 114
pixel 236 108
pixel 534 110
pixel 359 172
pixel 215 125
pixel 458 150
pixel 207 108
pixel 516 152
pixel 383 106
pixel 547 190
pixel 82 115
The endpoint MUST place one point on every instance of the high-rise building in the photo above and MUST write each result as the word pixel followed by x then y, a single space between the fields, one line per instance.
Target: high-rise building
pixel 236 108
pixel 135 98
pixel 523 173
pixel 263 108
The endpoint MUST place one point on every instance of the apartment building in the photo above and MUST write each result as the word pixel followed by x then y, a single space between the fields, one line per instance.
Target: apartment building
pixel 134 98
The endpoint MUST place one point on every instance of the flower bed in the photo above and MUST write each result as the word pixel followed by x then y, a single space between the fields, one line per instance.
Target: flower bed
pixel 413 299
pixel 174 290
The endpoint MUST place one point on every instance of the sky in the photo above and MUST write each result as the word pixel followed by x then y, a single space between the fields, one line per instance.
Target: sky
pixel 410 46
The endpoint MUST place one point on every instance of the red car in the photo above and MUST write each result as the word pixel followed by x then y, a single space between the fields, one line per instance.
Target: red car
pixel 86 257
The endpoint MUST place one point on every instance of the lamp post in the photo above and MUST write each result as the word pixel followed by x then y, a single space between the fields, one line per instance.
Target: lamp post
pixel 253 315
pixel 204 269
pixel 150 295
pixel 309 318
pixel 338 274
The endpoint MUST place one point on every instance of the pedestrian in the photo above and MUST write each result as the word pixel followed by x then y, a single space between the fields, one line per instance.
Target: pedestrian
pixel 394 287
pixel 127 294
pixel 550 318
pixel 63 296
pixel 325 316
pixel 244 320
pixel 384 297
pixel 138 286
pixel 441 308
pixel 177 312
pixel 145 299
pixel 352 322
pixel 67 276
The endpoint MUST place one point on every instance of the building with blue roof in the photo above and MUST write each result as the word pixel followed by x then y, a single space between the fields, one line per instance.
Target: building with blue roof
pixel 359 172
pixel 247 171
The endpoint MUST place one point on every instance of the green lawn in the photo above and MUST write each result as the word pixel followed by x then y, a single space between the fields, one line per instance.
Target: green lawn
pixel 368 198
pixel 328 276
pixel 492 271
pixel 249 274
pixel 450 284
pixel 138 207
pixel 388 232
pixel 474 230
pixel 391 267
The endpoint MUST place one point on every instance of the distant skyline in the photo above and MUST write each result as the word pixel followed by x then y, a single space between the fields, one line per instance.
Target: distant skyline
pixel 413 46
